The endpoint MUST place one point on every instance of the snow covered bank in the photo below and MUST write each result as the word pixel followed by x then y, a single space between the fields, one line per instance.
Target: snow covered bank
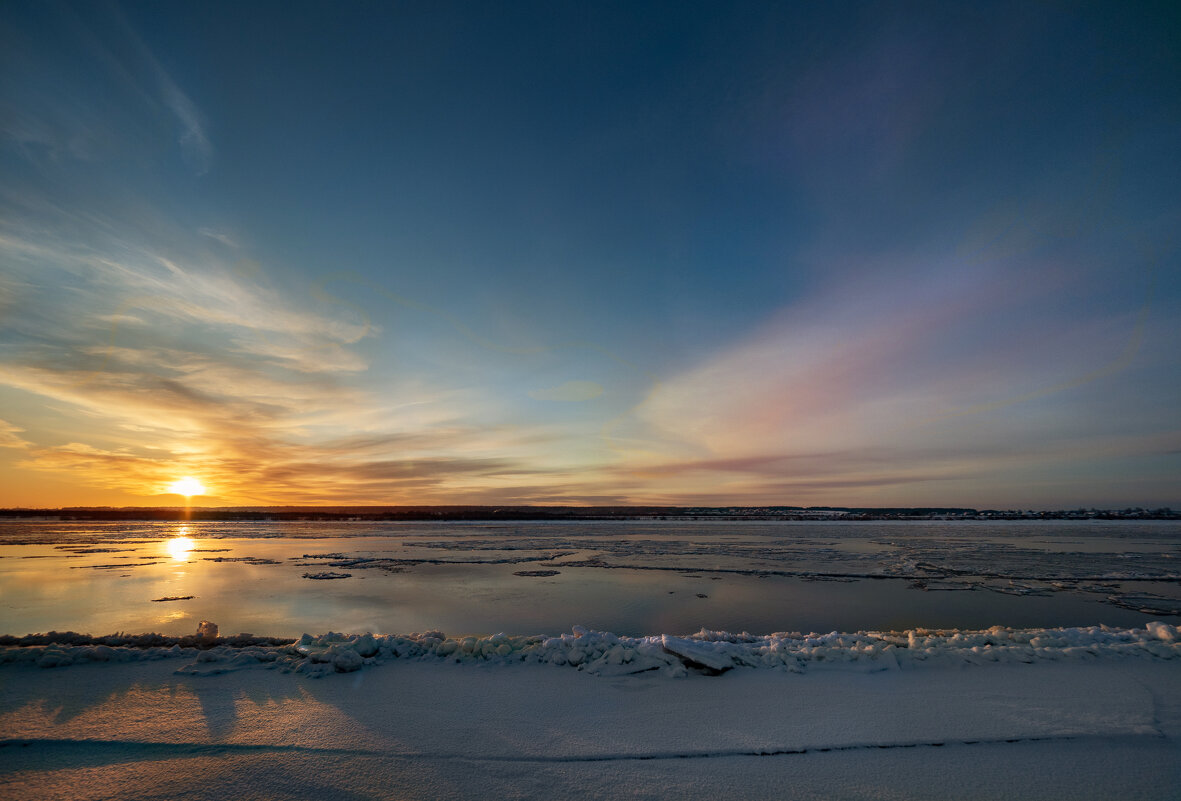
pixel 419 729
pixel 606 654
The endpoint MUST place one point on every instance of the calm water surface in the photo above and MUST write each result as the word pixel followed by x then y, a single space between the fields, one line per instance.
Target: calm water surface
pixel 628 577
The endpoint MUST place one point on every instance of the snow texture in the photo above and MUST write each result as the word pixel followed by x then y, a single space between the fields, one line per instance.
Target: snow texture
pixel 605 654
pixel 1101 726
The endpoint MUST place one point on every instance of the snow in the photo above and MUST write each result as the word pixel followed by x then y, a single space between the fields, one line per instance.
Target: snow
pixel 1090 712
pixel 711 658
pixel 1096 722
pixel 607 654
pixel 1001 712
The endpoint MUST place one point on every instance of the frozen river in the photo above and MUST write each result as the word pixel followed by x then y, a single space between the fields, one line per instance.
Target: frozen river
pixel 629 577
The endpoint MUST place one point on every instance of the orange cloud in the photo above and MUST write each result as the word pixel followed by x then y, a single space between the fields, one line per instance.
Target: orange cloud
pixel 9 438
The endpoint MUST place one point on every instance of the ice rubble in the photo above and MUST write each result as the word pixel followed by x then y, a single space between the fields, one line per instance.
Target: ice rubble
pixel 605 654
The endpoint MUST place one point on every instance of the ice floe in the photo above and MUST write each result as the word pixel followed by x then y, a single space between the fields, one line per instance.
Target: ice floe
pixel 1133 565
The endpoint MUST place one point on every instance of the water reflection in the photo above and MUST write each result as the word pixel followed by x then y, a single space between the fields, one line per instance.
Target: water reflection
pixel 684 576
pixel 179 547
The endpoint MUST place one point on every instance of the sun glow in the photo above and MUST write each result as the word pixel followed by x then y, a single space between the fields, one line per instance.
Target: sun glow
pixel 179 547
pixel 187 486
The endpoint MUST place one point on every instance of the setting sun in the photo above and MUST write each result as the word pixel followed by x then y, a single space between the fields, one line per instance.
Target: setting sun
pixel 187 486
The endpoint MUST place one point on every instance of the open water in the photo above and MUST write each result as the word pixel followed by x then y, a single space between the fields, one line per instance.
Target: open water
pixel 629 577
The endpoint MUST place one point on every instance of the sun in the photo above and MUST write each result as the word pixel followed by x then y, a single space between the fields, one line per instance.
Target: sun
pixel 187 486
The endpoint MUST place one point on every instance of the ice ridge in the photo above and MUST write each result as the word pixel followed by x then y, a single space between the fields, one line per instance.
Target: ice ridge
pixel 606 654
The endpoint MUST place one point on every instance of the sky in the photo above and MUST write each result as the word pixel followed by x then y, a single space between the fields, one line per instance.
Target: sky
pixel 879 254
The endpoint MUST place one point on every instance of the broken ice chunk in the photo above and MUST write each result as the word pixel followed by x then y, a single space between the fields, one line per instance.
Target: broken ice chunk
pixel 706 657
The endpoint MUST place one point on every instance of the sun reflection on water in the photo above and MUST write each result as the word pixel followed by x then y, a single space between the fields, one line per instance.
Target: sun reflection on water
pixel 171 618
pixel 179 547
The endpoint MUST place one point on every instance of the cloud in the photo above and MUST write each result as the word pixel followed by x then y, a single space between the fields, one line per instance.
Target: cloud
pixel 9 438
pixel 103 468
pixel 119 96
pixel 906 374
pixel 904 382
pixel 196 149
pixel 251 439
pixel 116 283
pixel 116 320
pixel 306 357
pixel 571 391
pixel 218 236
pixel 194 143
pixel 261 436
pixel 156 363
pixel 276 473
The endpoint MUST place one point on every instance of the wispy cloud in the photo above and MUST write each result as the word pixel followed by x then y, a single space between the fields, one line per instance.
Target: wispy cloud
pixel 251 439
pixel 9 436
pixel 218 236
pixel 166 363
pixel 942 377
pixel 207 370
pixel 115 102
pixel 192 137
pixel 862 270
pixel 900 391
pixel 194 142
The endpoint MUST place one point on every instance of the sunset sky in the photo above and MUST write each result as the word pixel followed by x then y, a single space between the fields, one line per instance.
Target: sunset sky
pixel 514 253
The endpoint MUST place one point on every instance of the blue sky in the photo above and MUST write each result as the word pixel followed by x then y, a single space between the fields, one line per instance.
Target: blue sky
pixel 855 254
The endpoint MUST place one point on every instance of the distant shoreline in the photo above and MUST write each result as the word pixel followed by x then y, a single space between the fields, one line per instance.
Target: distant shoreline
pixel 575 513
